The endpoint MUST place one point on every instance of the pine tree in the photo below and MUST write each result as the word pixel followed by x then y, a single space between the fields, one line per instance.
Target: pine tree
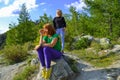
pixel 24 15
pixel 24 31
pixel 105 14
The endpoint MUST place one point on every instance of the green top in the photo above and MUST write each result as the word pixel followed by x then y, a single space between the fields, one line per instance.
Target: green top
pixel 49 40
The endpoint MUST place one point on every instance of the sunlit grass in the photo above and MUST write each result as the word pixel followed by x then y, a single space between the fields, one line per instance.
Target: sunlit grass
pixel 26 73
pixel 95 59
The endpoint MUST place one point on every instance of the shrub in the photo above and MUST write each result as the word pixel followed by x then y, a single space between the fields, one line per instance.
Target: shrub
pixel 98 46
pixel 15 53
pixel 26 73
pixel 28 46
pixel 106 46
pixel 82 43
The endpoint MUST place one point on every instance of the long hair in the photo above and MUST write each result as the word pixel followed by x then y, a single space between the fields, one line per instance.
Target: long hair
pixel 59 13
pixel 50 29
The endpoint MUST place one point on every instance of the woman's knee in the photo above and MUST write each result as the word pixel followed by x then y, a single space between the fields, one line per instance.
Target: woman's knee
pixel 46 49
pixel 39 49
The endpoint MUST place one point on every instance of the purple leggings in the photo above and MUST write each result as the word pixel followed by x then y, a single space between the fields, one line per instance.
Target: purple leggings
pixel 46 54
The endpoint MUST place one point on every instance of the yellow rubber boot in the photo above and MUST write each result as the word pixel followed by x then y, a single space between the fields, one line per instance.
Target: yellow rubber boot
pixel 43 72
pixel 48 73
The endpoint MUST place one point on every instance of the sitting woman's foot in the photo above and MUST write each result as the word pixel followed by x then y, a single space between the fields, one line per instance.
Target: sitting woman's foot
pixel 48 73
pixel 43 72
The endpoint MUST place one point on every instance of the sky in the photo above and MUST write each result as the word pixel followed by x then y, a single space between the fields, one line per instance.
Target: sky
pixel 9 9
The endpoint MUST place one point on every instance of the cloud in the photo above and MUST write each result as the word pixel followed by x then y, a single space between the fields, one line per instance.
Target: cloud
pixel 44 9
pixel 13 9
pixel 3 29
pixel 42 3
pixel 16 12
pixel 78 5
pixel 4 1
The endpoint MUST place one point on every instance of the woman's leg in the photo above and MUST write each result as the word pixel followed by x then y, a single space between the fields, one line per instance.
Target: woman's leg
pixel 42 60
pixel 41 56
pixel 62 34
pixel 49 54
pixel 58 31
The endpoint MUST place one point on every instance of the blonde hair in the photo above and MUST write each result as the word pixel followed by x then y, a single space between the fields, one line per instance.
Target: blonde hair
pixel 59 13
pixel 50 29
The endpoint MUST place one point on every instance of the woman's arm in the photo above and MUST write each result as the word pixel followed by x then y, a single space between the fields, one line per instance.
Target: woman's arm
pixel 41 41
pixel 54 24
pixel 64 23
pixel 52 44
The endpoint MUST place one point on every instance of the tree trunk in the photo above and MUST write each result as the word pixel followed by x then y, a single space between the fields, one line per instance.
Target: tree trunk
pixel 110 26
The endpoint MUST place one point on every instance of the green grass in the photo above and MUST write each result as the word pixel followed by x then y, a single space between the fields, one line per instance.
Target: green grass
pixel 15 53
pixel 95 59
pixel 26 73
pixel 1 52
pixel 115 41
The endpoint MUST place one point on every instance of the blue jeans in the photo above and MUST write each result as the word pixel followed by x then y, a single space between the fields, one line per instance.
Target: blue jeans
pixel 61 32
pixel 46 54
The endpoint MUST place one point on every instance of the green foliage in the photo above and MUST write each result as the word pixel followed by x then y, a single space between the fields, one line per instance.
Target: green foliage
pixel 95 59
pixel 28 46
pixel 2 40
pixel 106 46
pixel 45 19
pixel 24 15
pixel 115 41
pixel 98 46
pixel 24 32
pixel 25 74
pixel 80 44
pixel 15 53
pixel 102 20
pixel 104 15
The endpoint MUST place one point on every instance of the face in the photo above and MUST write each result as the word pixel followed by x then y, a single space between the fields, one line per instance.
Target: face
pixel 58 12
pixel 45 30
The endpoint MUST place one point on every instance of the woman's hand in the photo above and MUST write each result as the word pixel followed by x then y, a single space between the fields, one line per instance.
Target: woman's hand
pixel 41 31
pixel 64 29
pixel 37 47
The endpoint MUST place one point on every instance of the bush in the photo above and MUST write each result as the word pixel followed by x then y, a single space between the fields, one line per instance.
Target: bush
pixel 106 46
pixel 98 46
pixel 15 53
pixel 25 74
pixel 82 43
pixel 28 46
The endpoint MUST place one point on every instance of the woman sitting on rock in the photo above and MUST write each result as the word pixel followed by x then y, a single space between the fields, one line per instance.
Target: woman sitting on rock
pixel 49 48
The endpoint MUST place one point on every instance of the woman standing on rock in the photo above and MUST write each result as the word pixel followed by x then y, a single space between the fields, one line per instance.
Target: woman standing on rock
pixel 49 48
pixel 60 25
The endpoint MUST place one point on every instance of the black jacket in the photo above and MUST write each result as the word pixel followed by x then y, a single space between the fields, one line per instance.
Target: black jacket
pixel 59 22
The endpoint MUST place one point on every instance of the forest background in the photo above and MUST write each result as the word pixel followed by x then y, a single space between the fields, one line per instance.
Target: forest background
pixel 100 19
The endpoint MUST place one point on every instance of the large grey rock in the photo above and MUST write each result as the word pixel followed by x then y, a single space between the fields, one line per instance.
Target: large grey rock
pixel 118 78
pixel 116 49
pixel 90 38
pixel 34 61
pixel 104 41
pixel 8 72
pixel 60 71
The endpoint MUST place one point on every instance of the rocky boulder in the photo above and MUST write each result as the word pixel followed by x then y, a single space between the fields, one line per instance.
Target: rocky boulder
pixel 60 71
pixel 102 41
pixel 116 49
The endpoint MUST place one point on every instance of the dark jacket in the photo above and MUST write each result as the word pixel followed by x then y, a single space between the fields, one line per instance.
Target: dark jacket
pixel 59 22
